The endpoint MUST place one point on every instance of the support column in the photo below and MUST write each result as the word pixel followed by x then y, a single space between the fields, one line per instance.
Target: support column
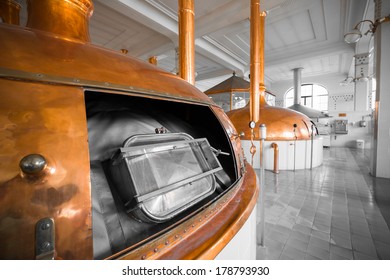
pixel 297 85
pixel 186 41
pixel 380 158
pixel 361 82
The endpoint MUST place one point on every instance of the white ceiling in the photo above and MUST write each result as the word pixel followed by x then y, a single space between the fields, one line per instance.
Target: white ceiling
pixel 298 33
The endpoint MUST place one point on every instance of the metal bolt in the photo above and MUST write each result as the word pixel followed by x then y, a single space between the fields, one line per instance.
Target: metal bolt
pixel 45 245
pixel 32 164
pixel 45 226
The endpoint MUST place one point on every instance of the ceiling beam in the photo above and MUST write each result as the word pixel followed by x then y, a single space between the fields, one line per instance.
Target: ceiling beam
pixel 150 16
pixel 306 52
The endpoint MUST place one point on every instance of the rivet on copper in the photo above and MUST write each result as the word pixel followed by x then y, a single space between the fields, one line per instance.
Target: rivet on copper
pixel 143 257
pixel 155 250
pixel 32 164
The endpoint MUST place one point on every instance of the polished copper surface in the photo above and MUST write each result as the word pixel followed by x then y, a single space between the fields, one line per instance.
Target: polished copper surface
pixel 256 59
pixel 38 53
pixel 54 126
pixel 204 235
pixel 186 41
pixel 9 11
pixel 43 75
pixel 66 18
pixel 279 121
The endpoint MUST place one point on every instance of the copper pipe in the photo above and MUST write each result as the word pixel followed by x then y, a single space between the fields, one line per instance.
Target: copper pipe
pixel 66 18
pixel 186 41
pixel 261 58
pixel 9 11
pixel 153 60
pixel 257 87
pixel 276 157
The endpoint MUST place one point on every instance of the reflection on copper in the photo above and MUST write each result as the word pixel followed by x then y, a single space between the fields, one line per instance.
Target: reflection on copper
pixel 186 41
pixel 9 11
pixel 68 19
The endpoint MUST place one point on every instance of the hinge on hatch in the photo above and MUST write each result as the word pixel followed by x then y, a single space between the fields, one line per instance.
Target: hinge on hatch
pixel 45 239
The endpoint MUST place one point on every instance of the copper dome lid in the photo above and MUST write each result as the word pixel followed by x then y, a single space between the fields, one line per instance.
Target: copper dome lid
pixel 279 122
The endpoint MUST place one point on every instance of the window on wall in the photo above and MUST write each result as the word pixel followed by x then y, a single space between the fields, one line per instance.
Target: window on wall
pixel 312 95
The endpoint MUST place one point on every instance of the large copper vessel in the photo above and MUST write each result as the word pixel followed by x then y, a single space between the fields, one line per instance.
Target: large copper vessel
pixel 281 123
pixel 53 86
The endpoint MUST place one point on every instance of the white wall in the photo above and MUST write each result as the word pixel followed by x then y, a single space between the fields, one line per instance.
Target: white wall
pixel 341 101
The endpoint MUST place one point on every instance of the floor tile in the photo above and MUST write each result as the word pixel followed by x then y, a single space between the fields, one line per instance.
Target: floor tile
pixel 335 211
pixel 361 256
pixel 383 250
pixel 318 252
pixel 340 251
pixel 293 253
pixel 297 244
pixel 363 245
pixel 318 242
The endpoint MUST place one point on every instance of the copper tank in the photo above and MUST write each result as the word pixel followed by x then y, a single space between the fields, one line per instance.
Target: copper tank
pixel 279 122
pixel 282 124
pixel 46 72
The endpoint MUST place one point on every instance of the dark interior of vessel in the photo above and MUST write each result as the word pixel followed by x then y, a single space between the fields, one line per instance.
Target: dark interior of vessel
pixel 112 118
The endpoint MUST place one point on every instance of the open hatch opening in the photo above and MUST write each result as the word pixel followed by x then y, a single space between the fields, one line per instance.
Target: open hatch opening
pixel 153 163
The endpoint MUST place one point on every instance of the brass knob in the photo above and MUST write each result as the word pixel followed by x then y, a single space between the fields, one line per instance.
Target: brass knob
pixel 32 164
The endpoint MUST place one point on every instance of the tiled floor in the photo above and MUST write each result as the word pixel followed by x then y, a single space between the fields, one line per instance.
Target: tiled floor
pixel 335 211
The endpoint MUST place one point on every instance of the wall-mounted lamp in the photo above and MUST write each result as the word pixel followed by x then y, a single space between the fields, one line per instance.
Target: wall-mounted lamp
pixel 355 34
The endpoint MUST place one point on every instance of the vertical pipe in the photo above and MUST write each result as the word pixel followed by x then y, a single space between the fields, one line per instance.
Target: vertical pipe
pixel 263 136
pixel 68 19
pixel 9 11
pixel 295 143
pixel 186 41
pixel 297 85
pixel 312 143
pixel 276 157
pixel 254 57
pixel 261 58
